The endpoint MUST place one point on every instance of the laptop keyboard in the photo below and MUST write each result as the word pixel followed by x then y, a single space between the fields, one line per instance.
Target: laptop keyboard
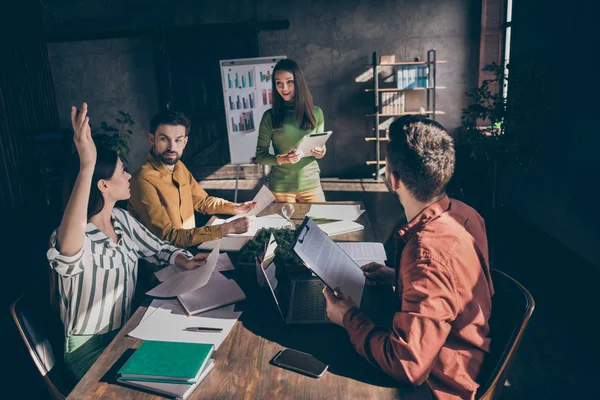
pixel 309 302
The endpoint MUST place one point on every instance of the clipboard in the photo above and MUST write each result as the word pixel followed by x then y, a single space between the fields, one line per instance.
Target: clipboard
pixel 299 238
pixel 311 141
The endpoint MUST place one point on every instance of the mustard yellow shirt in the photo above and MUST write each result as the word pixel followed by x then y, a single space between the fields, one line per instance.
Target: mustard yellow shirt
pixel 165 202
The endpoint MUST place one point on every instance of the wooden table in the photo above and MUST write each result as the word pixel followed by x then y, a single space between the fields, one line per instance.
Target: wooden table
pixel 243 368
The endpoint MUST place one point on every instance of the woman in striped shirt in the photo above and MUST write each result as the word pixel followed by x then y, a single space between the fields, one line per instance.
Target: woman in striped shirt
pixel 95 250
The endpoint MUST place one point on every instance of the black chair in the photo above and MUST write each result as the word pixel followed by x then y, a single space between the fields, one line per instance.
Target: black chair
pixel 512 306
pixel 41 330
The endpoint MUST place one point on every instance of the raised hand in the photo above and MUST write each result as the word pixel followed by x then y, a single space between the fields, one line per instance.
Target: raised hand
pixel 82 136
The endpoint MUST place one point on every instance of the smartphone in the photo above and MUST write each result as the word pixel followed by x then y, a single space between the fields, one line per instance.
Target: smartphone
pixel 300 362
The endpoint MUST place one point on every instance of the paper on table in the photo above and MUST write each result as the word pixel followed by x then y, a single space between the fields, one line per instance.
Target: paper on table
pixel 168 324
pixel 219 291
pixel 329 262
pixel 263 198
pixel 173 304
pixel 226 244
pixel 187 281
pixel 342 212
pixel 364 251
pixel 311 141
pixel 224 263
pixel 340 227
pixel 266 221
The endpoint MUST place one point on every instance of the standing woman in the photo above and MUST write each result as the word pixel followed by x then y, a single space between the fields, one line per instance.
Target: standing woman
pixel 95 252
pixel 293 116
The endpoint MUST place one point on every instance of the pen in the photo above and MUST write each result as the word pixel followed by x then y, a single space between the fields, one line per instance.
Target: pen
pixel 202 329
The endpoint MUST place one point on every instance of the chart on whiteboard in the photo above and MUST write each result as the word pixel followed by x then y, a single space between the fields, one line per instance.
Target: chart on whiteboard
pixel 247 94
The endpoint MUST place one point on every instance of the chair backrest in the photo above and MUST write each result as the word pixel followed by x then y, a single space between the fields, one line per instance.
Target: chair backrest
pixel 41 330
pixel 512 306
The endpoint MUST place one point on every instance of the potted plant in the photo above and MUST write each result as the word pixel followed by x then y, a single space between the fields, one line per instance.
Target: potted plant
pixel 284 255
pixel 116 138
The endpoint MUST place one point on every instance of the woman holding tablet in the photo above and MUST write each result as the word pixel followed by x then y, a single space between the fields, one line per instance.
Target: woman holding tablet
pixel 295 177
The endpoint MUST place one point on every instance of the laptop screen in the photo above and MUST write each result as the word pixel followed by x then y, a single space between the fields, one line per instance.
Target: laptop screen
pixel 278 281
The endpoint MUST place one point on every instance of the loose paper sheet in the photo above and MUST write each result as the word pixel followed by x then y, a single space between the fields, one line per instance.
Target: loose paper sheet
pixel 187 281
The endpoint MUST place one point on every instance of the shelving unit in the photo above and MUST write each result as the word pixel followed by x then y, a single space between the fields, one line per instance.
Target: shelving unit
pixel 430 110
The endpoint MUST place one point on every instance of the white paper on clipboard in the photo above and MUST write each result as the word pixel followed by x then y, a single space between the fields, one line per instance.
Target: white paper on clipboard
pixel 311 141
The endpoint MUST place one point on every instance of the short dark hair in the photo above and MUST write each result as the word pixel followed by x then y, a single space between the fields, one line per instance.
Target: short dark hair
pixel 421 153
pixel 167 117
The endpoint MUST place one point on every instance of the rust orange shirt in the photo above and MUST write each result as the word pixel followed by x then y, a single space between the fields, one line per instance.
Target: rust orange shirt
pixel 440 334
pixel 165 201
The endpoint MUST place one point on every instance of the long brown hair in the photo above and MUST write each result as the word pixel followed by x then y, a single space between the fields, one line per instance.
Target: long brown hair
pixel 304 111
pixel 106 164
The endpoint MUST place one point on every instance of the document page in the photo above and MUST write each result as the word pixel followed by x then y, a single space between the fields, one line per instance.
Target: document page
pixel 328 261
pixel 263 199
pixel 364 252
pixel 309 142
pixel 187 281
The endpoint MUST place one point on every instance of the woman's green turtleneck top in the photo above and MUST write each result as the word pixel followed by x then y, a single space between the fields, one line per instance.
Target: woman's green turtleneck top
pixel 305 174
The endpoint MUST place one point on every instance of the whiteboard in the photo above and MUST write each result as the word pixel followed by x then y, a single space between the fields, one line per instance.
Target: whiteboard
pixel 247 94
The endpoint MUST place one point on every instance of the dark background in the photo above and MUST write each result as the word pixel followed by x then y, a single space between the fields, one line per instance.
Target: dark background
pixel 111 54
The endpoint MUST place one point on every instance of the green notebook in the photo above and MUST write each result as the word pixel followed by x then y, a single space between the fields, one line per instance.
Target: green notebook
pixel 170 361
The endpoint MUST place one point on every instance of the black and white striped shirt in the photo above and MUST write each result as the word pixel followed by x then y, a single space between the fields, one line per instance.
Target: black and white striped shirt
pixel 97 284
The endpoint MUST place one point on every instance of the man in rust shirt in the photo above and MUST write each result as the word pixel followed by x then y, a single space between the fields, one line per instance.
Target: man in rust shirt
pixel 440 333
pixel 164 194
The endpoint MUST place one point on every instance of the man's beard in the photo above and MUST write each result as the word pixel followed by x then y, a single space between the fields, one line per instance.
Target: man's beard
pixel 168 161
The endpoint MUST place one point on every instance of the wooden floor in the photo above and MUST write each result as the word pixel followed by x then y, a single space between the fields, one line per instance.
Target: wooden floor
pixel 558 356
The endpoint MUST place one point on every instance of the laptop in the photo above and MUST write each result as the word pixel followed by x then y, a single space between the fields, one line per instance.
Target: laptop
pixel 299 301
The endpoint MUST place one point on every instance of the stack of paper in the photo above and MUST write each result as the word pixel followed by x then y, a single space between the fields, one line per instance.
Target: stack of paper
pixel 219 292
pixel 169 321
pixel 342 212
pixel 159 365
pixel 340 227
pixel 176 390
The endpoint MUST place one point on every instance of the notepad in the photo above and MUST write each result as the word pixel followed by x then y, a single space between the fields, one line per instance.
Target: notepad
pixel 167 361
pixel 340 227
pixel 177 390
pixel 218 292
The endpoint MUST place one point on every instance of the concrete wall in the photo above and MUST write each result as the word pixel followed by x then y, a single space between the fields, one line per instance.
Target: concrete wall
pixel 110 75
pixel 331 40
